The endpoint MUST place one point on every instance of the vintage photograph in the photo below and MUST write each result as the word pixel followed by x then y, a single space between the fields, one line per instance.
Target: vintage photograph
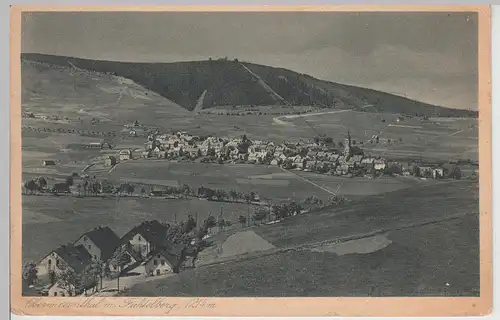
pixel 249 154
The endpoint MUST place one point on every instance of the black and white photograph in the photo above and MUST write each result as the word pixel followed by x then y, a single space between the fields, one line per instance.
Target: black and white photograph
pixel 250 154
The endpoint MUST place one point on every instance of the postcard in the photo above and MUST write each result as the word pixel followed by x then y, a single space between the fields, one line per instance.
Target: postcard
pixel 251 161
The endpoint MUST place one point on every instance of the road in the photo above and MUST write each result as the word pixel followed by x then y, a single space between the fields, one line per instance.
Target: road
pixel 278 120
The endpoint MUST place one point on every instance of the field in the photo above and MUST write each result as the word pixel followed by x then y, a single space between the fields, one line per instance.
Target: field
pixel 440 139
pixel 376 212
pixel 437 259
pixel 50 221
pixel 267 181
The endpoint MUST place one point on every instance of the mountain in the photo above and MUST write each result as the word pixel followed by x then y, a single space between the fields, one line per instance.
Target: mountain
pixel 196 85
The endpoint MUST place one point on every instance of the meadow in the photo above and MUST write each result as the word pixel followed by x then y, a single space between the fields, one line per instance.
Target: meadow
pixel 50 221
pixel 420 261
pixel 376 212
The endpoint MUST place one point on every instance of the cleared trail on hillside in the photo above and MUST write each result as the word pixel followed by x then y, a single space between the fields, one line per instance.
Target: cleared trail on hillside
pixel 266 87
pixel 199 103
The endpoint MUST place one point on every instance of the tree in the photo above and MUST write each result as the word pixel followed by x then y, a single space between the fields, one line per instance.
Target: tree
pixel 221 223
pixel 190 224
pixel 120 259
pixel 143 191
pixel 30 186
pixel 79 189
pixel 69 280
pixel 98 270
pixel 85 186
pixel 259 215
pixel 42 183
pixel 69 181
pixel 221 194
pixel 210 222
pixel 30 273
pixel 243 220
pixel 52 277
pixel 233 195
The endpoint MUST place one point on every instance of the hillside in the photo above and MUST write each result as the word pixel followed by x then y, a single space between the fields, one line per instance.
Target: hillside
pixel 205 84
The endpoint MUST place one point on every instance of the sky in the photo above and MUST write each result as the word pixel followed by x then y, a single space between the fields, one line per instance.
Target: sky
pixel 430 57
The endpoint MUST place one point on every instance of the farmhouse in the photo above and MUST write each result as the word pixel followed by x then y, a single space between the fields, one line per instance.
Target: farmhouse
pixel 135 259
pixel 100 243
pixel 66 256
pixel 110 161
pixel 125 154
pixel 163 261
pixel 49 163
pixel 146 237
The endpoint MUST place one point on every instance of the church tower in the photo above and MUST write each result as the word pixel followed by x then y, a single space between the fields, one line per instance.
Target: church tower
pixel 347 145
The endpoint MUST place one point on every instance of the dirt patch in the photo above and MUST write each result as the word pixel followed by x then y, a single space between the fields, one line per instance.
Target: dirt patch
pixel 244 242
pixel 360 246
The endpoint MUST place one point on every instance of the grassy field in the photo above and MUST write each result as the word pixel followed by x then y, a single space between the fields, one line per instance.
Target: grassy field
pixel 417 262
pixel 390 210
pixel 433 139
pixel 266 181
pixel 50 221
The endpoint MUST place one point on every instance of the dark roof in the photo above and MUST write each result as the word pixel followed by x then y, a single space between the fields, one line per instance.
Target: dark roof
pixel 52 162
pixel 153 231
pixel 76 257
pixel 105 239
pixel 174 260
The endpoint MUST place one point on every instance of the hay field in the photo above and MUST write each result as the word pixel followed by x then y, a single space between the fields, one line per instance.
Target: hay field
pixel 50 221
pixel 417 262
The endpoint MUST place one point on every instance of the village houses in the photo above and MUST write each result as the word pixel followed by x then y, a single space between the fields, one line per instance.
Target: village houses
pixel 100 243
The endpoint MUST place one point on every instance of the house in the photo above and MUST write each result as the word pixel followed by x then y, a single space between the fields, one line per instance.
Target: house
pixel 66 256
pixel 243 156
pixel 146 237
pixel 298 162
pixel 424 171
pixel 100 243
pixel 125 154
pixel 146 154
pixel 312 155
pixel 56 290
pixel 94 145
pixel 379 164
pixel 135 258
pixel 274 162
pixel 437 173
pixel 163 261
pixel 332 157
pixel 193 152
pixel 49 163
pixel 110 161
pixel 148 145
pixel 395 167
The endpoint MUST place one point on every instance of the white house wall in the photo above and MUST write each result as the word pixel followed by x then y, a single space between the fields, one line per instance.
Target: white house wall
pixel 90 246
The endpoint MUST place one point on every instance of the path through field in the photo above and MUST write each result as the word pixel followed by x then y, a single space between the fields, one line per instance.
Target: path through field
pixel 278 120
pixel 309 181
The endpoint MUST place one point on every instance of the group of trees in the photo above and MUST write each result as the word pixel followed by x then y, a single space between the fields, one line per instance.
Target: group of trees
pixel 221 194
pixel 71 131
